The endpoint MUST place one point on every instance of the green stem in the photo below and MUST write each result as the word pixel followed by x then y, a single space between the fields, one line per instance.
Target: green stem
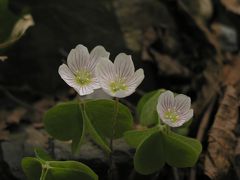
pixel 111 162
pixel 44 171
pixel 82 108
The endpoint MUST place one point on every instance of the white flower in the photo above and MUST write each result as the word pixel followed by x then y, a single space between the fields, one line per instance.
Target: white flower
pixel 174 111
pixel 79 72
pixel 119 79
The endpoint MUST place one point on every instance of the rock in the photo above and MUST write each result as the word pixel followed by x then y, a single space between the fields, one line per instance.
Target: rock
pixel 22 142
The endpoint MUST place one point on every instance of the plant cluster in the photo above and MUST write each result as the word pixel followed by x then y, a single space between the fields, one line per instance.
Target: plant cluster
pixel 162 113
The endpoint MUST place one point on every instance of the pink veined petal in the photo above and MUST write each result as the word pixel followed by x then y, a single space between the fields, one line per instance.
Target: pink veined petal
pixel 136 79
pixel 105 71
pixel 124 93
pixel 166 101
pixel 95 84
pixel 187 116
pixel 78 58
pixel 124 66
pixel 95 55
pixel 84 90
pixel 169 122
pixel 67 75
pixel 106 89
pixel 182 103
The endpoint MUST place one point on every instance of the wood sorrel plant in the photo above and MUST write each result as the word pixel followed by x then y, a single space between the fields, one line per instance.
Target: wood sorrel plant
pixel 105 120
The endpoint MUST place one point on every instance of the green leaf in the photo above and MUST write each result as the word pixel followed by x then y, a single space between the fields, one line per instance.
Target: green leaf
pixel 150 156
pixel 101 112
pixel 32 168
pixel 147 108
pixel 65 122
pixel 181 151
pixel 144 99
pixel 135 137
pixel 99 139
pixel 160 147
pixel 42 155
pixel 65 170
pixel 184 129
pixel 36 169
pixel 100 121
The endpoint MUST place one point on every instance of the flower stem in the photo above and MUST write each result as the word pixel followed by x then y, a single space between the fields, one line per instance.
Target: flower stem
pixel 111 161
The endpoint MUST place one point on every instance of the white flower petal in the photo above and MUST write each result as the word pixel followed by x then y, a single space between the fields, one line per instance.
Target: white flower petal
pixel 136 79
pixel 182 103
pixel 169 122
pixel 67 75
pixel 124 93
pixel 83 90
pixel 105 71
pixel 124 66
pixel 186 116
pixel 78 58
pixel 165 101
pixel 96 54
pixel 95 84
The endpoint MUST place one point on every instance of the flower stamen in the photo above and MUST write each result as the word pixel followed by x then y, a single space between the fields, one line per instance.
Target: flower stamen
pixel 172 115
pixel 83 77
pixel 117 86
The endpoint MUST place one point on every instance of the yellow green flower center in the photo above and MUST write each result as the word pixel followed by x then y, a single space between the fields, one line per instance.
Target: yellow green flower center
pixel 117 86
pixel 83 77
pixel 171 115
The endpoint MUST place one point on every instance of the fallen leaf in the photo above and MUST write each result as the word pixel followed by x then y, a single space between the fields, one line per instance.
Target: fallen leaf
pixel 222 139
pixel 4 135
pixel 36 138
pixel 18 30
pixel 3 58
pixel 232 5
pixel 231 72
pixel 42 106
pixel 16 115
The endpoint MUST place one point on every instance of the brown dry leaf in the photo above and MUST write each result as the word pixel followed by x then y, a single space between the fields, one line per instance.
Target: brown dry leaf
pixel 16 115
pixel 149 36
pixel 36 138
pixel 18 30
pixel 232 5
pixel 210 89
pixel 201 9
pixel 222 140
pixel 42 105
pixel 232 72
pixel 169 66
pixel 3 58
pixel 38 125
pixel 4 135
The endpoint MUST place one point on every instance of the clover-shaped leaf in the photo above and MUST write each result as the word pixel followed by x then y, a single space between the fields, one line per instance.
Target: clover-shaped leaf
pixel 166 147
pixel 135 137
pixel 32 168
pixel 38 168
pixel 100 123
pixel 146 108
pixel 65 122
